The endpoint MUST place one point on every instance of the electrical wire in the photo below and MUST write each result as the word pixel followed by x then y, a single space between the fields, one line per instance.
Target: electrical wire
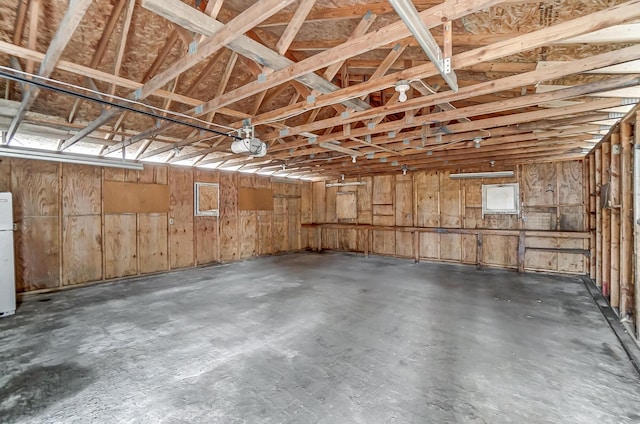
pixel 24 80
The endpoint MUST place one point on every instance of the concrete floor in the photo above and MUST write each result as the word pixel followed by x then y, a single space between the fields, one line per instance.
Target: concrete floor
pixel 317 338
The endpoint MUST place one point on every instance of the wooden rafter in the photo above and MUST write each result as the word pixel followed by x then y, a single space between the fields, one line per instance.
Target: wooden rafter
pixel 389 33
pixel 67 27
pixel 285 41
pixel 620 13
pixel 227 33
pixel 98 54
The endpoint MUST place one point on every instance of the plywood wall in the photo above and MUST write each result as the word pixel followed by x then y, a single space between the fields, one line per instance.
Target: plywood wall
pixel 446 215
pixel 65 238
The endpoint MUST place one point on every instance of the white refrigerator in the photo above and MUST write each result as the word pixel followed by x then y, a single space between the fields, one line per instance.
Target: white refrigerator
pixel 7 269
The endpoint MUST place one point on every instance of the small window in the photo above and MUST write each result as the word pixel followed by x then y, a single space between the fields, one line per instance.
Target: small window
pixel 500 199
pixel 206 199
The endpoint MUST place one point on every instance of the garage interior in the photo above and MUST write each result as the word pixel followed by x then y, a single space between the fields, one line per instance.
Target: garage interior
pixel 320 211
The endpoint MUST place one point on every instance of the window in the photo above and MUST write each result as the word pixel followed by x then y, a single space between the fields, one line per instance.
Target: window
pixel 207 198
pixel 500 199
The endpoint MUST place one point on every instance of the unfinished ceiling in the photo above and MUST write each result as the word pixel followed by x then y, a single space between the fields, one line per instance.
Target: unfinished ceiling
pixel 317 80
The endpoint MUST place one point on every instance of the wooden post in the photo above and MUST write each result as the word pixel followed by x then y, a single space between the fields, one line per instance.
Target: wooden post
pixel 319 230
pixel 636 224
pixel 521 251
pixel 626 222
pixel 605 253
pixel 366 243
pixel 592 215
pixel 479 251
pixel 598 256
pixel 614 278
pixel 416 246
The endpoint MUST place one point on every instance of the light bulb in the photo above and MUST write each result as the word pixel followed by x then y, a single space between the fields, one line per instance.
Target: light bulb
pixel 353 159
pixel 402 97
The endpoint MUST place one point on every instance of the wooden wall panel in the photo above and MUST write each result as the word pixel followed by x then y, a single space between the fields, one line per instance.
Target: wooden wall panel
pixel 450 208
pixel 37 254
pixel 383 190
pixel 152 242
pixel 403 201
pixel 404 214
pixel 181 198
pixel 248 229
pixel 5 175
pixel 428 192
pixel 384 242
pixel 280 225
pixel 346 206
pixel 365 201
pixel 64 237
pixel 469 248
pixel 451 247
pixel 120 245
pixel 539 184
pixel 248 219
pixel 293 220
pixel 34 185
pixel 265 237
pixel 430 245
pixel 540 260
pixel 570 183
pixel 82 249
pixel 319 207
pixel 229 242
pixel 206 228
pixel 331 207
pixel 500 250
pixel 81 190
pixel 280 219
pixel 306 216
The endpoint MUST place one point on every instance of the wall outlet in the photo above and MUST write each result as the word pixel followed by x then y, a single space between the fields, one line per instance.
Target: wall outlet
pixel 15 227
pixel 170 221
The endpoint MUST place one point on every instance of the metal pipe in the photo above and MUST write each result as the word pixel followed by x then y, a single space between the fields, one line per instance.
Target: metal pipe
pixel 113 104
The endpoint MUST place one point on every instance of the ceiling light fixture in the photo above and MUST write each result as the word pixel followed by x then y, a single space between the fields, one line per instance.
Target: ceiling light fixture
pixel 248 143
pixel 476 142
pixel 404 168
pixel 353 159
pixel 402 87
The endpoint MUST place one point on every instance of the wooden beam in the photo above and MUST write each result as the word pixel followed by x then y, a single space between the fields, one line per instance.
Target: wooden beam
pixel 614 191
pixel 337 148
pixel 184 14
pixel 122 44
pixel 360 30
pixel 389 33
pixel 67 27
pixel 21 15
pixel 557 71
pixel 409 15
pixel 98 53
pixel 34 14
pixel 493 107
pixel 605 253
pixel 255 51
pixel 162 55
pixel 285 41
pixel 614 15
pixel 294 25
pixel 626 220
